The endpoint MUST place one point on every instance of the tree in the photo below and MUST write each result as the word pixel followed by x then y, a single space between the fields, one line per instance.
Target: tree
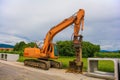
pixel 19 46
pixel 88 49
pixel 118 51
pixel 31 44
pixel 22 45
pixel 16 47
pixel 65 48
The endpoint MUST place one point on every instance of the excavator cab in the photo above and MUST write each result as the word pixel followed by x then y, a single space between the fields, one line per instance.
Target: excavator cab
pixel 56 53
pixel 52 51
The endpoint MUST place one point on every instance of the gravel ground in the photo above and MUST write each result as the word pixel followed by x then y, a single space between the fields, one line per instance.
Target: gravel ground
pixel 17 71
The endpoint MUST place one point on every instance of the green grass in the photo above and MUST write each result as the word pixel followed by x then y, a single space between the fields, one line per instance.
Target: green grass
pixel 21 58
pixel 106 66
pixel 65 61
pixel 107 55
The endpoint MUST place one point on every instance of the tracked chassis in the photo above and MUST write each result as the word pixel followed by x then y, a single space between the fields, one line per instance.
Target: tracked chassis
pixel 42 63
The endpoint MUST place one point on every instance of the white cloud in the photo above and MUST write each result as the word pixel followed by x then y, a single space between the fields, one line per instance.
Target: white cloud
pixel 108 44
pixel 10 39
pixel 106 47
pixel 33 18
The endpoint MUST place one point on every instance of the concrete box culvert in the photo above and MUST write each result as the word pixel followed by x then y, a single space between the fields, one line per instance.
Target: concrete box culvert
pixel 9 57
pixel 119 69
pixel 2 56
pixel 93 69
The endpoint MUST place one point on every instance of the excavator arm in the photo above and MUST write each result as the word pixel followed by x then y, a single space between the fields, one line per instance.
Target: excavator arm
pixel 77 20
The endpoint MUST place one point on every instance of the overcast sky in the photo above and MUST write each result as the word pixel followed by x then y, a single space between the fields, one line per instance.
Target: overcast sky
pixel 30 20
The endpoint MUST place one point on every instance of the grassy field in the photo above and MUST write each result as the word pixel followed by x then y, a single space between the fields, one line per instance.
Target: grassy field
pixel 103 65
pixel 107 66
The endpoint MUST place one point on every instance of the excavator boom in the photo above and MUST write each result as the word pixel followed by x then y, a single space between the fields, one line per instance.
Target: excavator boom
pixel 77 20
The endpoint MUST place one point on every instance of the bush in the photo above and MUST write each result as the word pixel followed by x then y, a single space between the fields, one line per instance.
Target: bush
pixel 22 45
pixel 19 47
pixel 65 48
pixel 88 49
pixel 107 55
pixel 13 52
pixel 119 51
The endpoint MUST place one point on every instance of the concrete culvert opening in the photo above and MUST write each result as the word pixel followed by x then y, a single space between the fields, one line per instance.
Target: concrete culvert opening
pixel 107 68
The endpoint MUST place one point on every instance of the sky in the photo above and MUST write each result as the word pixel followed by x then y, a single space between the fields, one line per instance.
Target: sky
pixel 30 20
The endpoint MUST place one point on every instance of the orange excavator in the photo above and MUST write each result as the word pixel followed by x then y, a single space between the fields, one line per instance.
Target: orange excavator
pixel 49 50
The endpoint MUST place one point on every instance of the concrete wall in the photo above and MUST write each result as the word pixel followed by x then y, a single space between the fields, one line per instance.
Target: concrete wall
pixel 9 57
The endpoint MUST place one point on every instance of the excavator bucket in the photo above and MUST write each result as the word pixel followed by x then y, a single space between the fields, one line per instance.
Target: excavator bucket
pixel 77 64
pixel 74 67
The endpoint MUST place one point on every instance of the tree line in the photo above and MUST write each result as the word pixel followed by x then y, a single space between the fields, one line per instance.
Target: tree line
pixel 65 48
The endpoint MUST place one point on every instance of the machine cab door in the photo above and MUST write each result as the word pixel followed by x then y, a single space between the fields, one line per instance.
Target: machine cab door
pixel 56 53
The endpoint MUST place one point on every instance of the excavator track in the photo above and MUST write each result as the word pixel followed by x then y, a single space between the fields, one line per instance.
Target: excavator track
pixel 37 63
pixel 55 64
pixel 42 64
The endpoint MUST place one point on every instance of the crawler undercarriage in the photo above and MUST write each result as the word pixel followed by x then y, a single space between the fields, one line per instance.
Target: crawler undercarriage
pixel 43 63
